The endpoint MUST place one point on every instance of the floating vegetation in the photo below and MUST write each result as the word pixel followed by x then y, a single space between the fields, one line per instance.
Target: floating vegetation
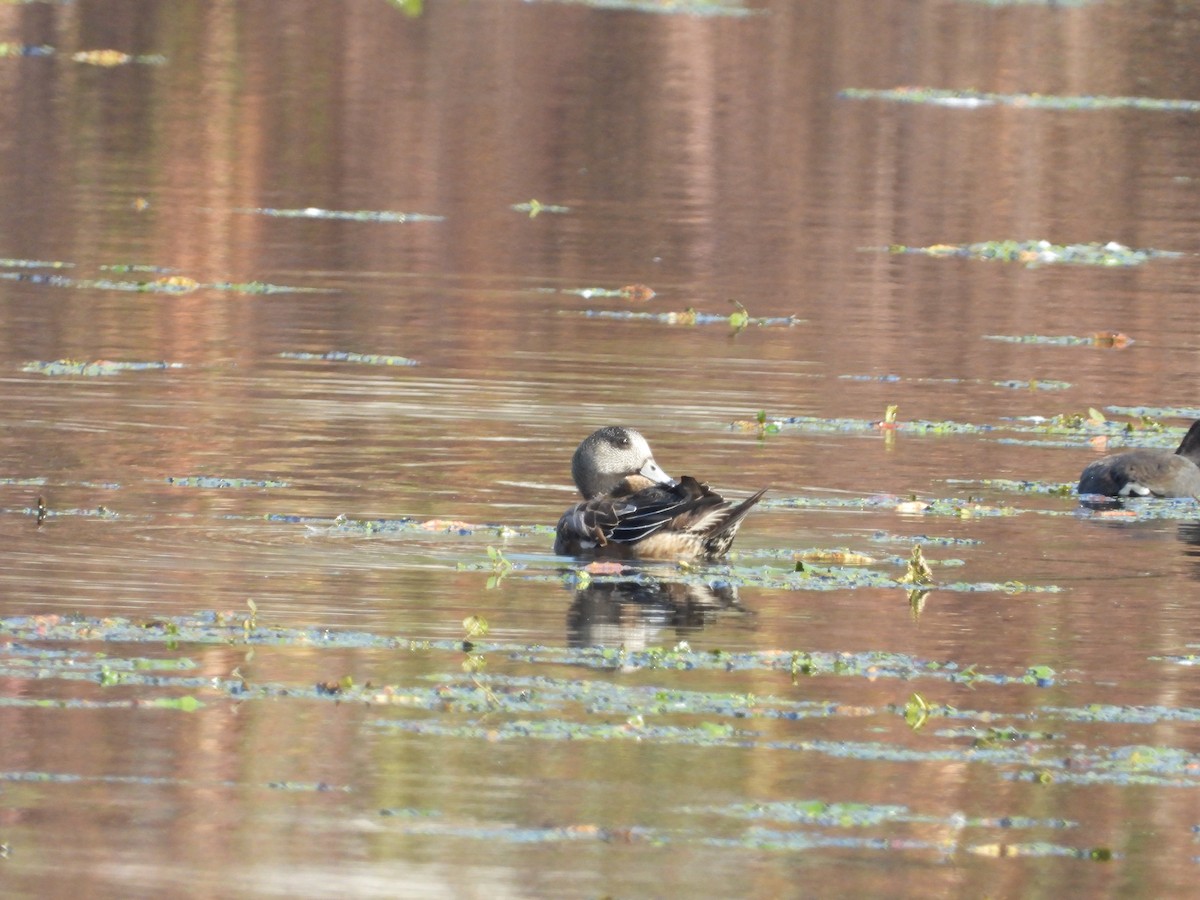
pixel 360 215
pixel 1114 339
pixel 345 525
pixel 1051 488
pixel 1035 253
pixel 1149 414
pixel 12 49
pixel 368 359
pixel 128 268
pixel 1082 429
pixel 34 264
pixel 207 481
pixel 738 319
pixel 669 7
pixel 1011 384
pixel 174 284
pixel 99 367
pixel 535 207
pixel 637 293
pixel 975 99
pixel 761 426
pixel 1041 384
pixel 212 628
pixel 953 507
pixel 111 58
pixel 411 8
pixel 1050 3
pixel 917 572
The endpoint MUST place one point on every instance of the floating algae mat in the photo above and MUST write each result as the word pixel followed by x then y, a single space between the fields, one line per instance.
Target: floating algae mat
pixel 1042 252
pixel 526 706
pixel 691 316
pixel 172 284
pixel 94 368
pixel 366 359
pixel 357 215
pixel 668 7
pixel 975 99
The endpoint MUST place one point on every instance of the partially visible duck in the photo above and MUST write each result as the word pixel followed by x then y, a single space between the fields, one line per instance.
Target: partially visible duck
pixel 631 508
pixel 1144 473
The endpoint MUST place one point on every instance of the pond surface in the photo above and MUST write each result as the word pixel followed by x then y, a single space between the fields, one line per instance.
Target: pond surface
pixel 305 306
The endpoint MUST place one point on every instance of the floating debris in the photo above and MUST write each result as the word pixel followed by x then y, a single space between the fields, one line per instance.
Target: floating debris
pixel 369 359
pixel 208 481
pixel 34 264
pixel 360 215
pixel 738 320
pixel 668 7
pixel 1108 339
pixel 174 284
pixel 1011 384
pixel 1035 253
pixel 12 49
pixel 111 58
pixel 534 207
pixel 94 367
pixel 975 99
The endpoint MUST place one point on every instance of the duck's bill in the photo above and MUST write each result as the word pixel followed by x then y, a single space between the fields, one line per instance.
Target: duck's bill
pixel 654 472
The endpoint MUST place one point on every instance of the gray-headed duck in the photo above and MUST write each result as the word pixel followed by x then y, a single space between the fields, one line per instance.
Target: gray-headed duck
pixel 631 508
pixel 1144 473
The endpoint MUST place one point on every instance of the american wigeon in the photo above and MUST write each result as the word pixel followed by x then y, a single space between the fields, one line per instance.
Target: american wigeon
pixel 632 508
pixel 1142 473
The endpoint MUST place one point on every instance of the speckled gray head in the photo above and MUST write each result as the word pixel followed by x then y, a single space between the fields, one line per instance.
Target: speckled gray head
pixel 615 458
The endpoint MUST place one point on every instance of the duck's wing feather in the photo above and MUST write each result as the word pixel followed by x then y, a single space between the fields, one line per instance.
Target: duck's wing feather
pixel 589 524
pixel 629 518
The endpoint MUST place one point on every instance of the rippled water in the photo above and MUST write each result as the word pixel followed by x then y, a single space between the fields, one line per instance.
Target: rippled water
pixel 231 653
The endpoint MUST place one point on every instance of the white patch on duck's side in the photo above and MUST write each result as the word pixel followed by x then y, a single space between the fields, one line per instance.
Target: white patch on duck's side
pixel 1132 487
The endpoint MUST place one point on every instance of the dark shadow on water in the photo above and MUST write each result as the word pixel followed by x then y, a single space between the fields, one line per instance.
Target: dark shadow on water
pixel 648 612
pixel 1186 532
pixel 1189 535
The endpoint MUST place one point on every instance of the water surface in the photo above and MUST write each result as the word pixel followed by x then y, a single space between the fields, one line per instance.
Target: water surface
pixel 314 195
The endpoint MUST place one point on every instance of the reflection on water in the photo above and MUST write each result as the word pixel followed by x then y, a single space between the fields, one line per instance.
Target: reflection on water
pixel 212 265
pixel 648 612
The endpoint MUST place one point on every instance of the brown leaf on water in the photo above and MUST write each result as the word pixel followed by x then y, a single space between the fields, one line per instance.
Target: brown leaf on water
pixel 841 557
pixel 1113 339
pixel 638 293
pixel 446 525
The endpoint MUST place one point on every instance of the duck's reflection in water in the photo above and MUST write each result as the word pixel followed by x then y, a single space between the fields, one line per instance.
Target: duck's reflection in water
pixel 635 614
pixel 1189 535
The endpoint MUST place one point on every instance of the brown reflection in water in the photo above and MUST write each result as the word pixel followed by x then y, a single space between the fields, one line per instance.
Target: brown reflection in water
pixel 651 612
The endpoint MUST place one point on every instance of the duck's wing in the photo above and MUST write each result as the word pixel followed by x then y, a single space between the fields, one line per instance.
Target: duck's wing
pixel 629 518
pixel 587 525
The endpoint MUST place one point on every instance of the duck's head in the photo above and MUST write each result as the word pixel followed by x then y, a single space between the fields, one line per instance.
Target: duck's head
pixel 615 459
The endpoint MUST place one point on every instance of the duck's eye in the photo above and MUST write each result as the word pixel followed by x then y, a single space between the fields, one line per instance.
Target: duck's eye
pixel 622 442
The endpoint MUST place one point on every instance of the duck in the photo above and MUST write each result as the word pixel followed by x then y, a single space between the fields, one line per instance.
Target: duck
pixel 632 509
pixel 1146 473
